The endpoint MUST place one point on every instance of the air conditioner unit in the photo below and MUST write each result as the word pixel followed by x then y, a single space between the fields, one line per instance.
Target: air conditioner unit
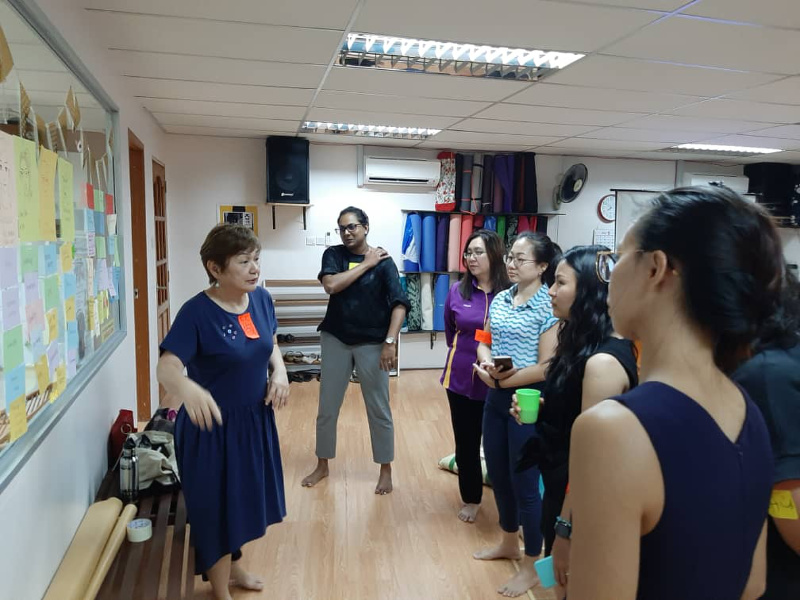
pixel 415 172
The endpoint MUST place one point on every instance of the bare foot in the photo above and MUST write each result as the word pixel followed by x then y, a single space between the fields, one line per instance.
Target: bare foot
pixel 468 512
pixel 507 548
pixel 520 583
pixel 384 481
pixel 320 473
pixel 242 579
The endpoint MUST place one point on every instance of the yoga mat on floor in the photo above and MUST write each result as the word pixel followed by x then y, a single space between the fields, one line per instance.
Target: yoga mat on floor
pixel 110 551
pixel 440 290
pixel 466 231
pixel 501 228
pixel 428 261
pixel 426 300
pixel 454 243
pixel 415 313
pixel 490 223
pixel 404 285
pixel 488 183
pixel 442 228
pixel 466 184
pixel 412 240
pixel 83 555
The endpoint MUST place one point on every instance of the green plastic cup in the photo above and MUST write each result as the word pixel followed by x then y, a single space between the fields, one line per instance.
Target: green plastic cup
pixel 528 401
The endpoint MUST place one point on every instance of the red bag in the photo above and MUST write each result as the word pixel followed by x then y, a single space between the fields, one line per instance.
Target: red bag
pixel 119 433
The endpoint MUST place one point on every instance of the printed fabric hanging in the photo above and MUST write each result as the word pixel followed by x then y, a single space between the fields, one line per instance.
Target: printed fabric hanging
pixel 446 190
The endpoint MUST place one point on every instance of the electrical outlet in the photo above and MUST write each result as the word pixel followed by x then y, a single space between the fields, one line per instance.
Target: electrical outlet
pixel 320 241
pixel 310 240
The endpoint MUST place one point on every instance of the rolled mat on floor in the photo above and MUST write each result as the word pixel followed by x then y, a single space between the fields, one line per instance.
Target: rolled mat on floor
pixel 440 290
pixel 426 300
pixel 454 243
pixel 428 260
pixel 412 241
pixel 466 231
pixel 404 285
pixel 415 313
pixel 110 551
pixel 83 555
pixel 442 227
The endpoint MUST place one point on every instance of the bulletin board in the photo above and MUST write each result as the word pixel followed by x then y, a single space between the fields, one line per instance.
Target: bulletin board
pixel 60 245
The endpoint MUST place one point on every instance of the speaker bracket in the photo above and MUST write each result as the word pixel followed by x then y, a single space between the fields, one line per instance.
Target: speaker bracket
pixel 303 206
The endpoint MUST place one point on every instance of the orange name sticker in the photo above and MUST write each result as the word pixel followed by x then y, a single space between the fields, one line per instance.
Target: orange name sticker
pixel 483 336
pixel 249 328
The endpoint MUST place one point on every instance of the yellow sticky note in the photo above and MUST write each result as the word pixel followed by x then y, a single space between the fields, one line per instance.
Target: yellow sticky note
pixel 52 324
pixel 47 194
pixel 66 257
pixel 781 505
pixel 61 383
pixel 42 374
pixel 90 308
pixel 18 420
pixel 69 308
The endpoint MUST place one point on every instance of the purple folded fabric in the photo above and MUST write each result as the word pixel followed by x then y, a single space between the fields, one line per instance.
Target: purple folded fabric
pixel 442 227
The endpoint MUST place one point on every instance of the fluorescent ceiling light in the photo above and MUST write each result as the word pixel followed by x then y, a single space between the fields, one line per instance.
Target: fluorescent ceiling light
pixel 448 58
pixel 719 149
pixel 377 131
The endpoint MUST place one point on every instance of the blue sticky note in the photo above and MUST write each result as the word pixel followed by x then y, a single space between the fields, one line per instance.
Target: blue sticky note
pixel 99 222
pixel 88 215
pixel 115 273
pixel 70 284
pixel 112 245
pixel 72 335
pixel 15 383
pixel 544 569
pixel 49 259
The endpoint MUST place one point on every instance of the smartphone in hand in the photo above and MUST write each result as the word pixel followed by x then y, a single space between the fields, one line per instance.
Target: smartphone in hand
pixel 502 363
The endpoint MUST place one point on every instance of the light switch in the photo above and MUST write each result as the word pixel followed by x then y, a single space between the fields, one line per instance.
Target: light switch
pixel 320 241
pixel 310 240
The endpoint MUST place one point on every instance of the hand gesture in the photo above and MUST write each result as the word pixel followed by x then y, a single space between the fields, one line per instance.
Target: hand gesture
pixel 374 256
pixel 497 372
pixel 201 408
pixel 388 357
pixel 515 412
pixel 277 390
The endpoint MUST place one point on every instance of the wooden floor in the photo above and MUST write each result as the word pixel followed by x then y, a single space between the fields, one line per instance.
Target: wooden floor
pixel 341 541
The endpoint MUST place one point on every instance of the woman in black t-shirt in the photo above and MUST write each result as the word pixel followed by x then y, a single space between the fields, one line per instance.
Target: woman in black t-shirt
pixel 591 363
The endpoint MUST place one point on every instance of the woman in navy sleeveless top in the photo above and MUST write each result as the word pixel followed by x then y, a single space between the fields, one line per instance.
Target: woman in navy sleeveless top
pixel 670 482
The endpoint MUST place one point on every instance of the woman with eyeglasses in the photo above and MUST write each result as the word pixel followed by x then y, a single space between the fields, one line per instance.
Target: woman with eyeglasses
pixel 670 482
pixel 591 363
pixel 522 327
pixel 366 309
pixel 466 315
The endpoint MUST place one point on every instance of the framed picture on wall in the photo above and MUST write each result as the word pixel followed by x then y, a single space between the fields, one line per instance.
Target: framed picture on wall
pixel 240 215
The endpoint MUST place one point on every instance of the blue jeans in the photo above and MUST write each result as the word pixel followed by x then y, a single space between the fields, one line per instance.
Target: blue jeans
pixel 516 494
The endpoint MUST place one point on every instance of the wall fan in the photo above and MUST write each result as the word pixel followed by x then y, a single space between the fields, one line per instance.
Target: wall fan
pixel 571 184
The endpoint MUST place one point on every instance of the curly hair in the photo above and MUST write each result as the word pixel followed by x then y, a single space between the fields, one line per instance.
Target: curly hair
pixel 782 328
pixel 588 324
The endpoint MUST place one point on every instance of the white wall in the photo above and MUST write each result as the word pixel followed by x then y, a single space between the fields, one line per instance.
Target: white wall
pixel 45 502
pixel 791 245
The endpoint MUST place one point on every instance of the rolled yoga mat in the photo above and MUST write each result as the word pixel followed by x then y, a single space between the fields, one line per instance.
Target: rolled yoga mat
pixel 442 228
pixel 110 551
pixel 488 183
pixel 415 314
pixel 490 223
pixel 466 184
pixel 454 244
pixel 440 290
pixel 83 555
pixel 477 183
pixel 466 231
pixel 523 224
pixel 404 285
pixel 412 240
pixel 426 300
pixel 501 228
pixel 428 261
pixel 459 178
pixel 477 222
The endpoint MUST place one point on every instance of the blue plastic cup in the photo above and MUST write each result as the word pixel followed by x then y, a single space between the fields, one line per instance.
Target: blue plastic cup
pixel 544 569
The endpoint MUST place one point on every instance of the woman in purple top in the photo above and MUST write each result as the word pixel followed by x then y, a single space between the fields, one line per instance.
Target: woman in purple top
pixel 466 313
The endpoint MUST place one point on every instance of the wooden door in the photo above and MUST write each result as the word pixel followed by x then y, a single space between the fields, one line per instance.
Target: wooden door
pixel 140 302
pixel 162 264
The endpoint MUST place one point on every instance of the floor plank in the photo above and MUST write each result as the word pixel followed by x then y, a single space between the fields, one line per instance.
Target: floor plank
pixel 341 541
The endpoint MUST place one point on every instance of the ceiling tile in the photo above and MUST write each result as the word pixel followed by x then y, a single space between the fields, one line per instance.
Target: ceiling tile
pixel 218 92
pixel 693 124
pixel 713 44
pixel 792 158
pixel 550 114
pixel 570 96
pixel 321 138
pixel 215 131
pixel 398 83
pixel 587 144
pixel 791 132
pixel 750 111
pixel 213 38
pixel 469 137
pixel 780 13
pixel 785 91
pixel 224 109
pixel 219 70
pixel 398 104
pixel 378 118
pixel 521 127
pixel 663 136
pixel 512 23
pixel 302 13
pixel 629 74
pixel 227 122
pixel 475 147
pixel 673 156
pixel 752 141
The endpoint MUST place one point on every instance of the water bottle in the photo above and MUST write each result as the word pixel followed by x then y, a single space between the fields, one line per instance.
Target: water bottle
pixel 129 471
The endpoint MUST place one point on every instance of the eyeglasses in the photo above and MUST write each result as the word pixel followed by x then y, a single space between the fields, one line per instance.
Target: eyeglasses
pixel 468 254
pixel 351 228
pixel 605 263
pixel 517 260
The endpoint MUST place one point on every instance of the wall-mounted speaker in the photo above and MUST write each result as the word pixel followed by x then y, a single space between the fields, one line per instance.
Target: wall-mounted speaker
pixel 287 170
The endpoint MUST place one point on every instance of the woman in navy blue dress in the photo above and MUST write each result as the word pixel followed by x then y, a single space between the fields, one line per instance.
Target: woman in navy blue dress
pixel 226 440
pixel 670 482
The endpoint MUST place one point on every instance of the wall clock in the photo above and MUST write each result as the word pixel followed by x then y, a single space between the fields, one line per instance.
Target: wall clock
pixel 607 208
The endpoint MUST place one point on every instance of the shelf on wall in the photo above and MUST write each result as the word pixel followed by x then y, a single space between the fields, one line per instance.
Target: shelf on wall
pixel 291 204
pixel 491 214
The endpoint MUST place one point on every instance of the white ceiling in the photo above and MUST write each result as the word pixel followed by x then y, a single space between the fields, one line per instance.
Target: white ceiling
pixel 659 72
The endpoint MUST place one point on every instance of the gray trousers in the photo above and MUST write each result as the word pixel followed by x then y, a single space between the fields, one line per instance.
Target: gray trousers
pixel 337 364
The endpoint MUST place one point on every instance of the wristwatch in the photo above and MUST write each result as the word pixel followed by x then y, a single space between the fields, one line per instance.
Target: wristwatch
pixel 389 340
pixel 563 528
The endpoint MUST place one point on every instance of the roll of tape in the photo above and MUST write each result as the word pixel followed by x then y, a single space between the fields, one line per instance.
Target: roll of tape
pixel 140 530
